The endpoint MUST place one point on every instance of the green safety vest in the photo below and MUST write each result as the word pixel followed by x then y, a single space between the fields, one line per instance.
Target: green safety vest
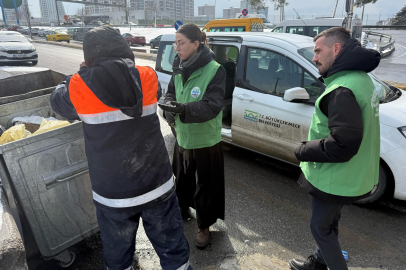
pixel 359 175
pixel 197 135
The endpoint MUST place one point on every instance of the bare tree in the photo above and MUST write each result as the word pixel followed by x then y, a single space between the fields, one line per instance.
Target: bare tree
pixel 81 13
pixel 23 13
pixel 151 9
pixel 362 3
pixel 280 4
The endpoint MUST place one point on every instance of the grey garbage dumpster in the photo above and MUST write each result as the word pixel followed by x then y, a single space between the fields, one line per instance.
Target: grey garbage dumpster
pixel 46 176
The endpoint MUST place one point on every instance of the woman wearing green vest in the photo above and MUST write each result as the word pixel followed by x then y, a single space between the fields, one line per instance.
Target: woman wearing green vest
pixel 194 103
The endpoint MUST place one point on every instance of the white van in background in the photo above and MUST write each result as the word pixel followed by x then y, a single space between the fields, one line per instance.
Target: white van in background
pixel 267 24
pixel 312 27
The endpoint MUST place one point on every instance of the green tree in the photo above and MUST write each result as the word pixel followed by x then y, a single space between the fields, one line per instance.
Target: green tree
pixel 400 17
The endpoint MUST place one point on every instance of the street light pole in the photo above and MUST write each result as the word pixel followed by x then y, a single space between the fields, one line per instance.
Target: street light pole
pixel 57 12
pixel 28 18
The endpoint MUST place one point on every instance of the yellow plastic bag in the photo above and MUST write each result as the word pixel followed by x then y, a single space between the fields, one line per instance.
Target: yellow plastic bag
pixel 50 125
pixel 15 133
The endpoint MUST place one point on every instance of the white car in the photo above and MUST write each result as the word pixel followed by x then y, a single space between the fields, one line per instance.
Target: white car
pixel 16 48
pixel 34 31
pixel 256 117
pixel 42 32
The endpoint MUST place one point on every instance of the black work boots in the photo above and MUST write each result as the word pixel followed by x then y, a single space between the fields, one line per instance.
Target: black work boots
pixel 309 264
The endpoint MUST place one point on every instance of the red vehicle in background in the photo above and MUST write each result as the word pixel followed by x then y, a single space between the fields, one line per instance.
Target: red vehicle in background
pixel 12 28
pixel 134 39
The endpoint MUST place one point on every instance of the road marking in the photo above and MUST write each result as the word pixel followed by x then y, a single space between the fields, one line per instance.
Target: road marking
pixel 397 56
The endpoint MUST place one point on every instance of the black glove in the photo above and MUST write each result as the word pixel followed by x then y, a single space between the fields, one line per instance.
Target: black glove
pixel 170 117
pixel 175 107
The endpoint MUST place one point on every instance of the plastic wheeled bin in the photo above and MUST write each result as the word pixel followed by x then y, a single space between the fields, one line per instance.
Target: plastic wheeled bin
pixel 45 176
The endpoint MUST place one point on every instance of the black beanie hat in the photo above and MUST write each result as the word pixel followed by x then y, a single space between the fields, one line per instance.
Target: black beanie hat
pixel 105 41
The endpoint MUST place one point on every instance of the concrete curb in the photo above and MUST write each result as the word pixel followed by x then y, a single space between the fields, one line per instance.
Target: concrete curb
pixel 146 56
pixel 12 251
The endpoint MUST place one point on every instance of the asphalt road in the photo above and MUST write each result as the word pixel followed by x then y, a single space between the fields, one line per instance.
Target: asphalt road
pixel 267 214
pixel 393 67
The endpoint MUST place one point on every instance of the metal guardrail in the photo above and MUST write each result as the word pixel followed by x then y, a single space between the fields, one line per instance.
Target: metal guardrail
pixel 389 45
pixel 387 27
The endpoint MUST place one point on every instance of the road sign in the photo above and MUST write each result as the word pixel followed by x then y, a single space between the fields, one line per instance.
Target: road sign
pixel 245 12
pixel 32 18
pixel 10 3
pixel 178 24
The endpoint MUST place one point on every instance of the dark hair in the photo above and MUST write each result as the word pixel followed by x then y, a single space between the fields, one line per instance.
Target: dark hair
pixel 105 41
pixel 335 35
pixel 192 32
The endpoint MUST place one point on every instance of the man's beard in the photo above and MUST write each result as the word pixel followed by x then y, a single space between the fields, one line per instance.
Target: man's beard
pixel 326 67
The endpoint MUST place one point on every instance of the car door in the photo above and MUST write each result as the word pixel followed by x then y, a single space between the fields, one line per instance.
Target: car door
pixel 51 35
pixel 157 40
pixel 261 120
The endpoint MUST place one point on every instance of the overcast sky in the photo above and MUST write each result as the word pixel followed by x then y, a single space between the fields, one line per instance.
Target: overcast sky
pixel 312 7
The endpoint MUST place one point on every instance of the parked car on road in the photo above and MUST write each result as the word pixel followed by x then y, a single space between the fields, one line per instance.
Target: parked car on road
pixel 12 28
pixel 42 32
pixel 14 47
pixel 133 39
pixel 155 42
pixel 58 36
pixel 128 24
pixel 260 114
pixel 34 31
pixel 79 33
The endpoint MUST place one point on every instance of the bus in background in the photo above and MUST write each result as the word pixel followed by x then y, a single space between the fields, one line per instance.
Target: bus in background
pixel 267 24
pixel 312 27
pixel 235 25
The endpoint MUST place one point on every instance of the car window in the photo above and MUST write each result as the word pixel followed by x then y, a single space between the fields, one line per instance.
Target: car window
pixel 228 29
pixel 313 86
pixel 278 30
pixel 158 37
pixel 315 30
pixel 167 56
pixel 271 72
pixel 298 30
pixel 225 54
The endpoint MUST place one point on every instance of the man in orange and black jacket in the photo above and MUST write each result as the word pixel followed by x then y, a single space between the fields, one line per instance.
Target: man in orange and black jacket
pixel 129 166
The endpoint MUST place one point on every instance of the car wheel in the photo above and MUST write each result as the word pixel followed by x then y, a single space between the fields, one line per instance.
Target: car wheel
pixel 130 43
pixel 152 45
pixel 380 189
pixel 34 63
pixel 68 41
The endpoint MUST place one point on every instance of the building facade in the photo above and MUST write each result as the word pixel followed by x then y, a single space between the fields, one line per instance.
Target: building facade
pixel 230 13
pixel 145 10
pixel 207 10
pixel 48 11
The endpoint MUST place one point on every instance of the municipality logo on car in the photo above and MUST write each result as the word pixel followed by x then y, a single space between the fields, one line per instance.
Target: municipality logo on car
pixel 250 115
pixel 195 92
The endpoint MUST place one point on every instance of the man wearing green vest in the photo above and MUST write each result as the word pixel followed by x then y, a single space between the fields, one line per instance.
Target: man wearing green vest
pixel 194 103
pixel 340 160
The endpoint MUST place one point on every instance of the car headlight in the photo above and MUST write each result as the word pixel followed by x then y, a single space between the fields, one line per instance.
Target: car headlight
pixel 33 49
pixel 3 49
pixel 403 131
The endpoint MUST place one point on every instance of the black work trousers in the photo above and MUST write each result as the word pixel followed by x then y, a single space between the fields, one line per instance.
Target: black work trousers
pixel 324 226
pixel 206 194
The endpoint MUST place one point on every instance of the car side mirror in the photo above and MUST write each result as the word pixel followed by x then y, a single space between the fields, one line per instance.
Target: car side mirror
pixel 296 95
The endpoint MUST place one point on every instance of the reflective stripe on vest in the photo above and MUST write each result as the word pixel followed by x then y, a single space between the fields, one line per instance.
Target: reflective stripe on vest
pixel 92 110
pixel 139 200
